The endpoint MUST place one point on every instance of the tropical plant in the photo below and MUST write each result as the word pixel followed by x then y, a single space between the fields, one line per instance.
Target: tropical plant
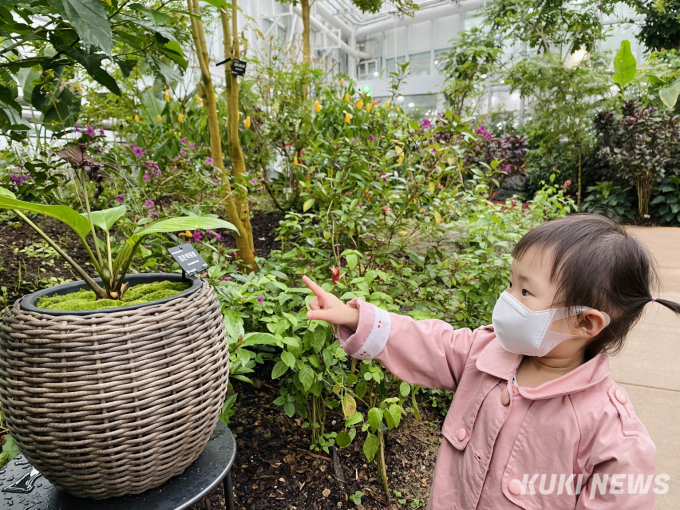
pixel 112 268
pixel 609 199
pixel 665 203
pixel 47 44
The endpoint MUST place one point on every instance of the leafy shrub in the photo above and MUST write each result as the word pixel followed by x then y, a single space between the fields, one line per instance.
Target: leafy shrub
pixel 610 200
pixel 665 202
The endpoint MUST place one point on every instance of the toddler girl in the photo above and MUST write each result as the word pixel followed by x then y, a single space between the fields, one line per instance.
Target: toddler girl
pixel 536 421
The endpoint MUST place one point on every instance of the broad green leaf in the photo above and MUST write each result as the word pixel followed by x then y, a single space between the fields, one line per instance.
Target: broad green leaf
pixel 6 193
pixel 89 19
pixel 219 4
pixel 10 448
pixel 92 62
pixel 288 359
pixel 375 417
pixel 404 389
pixel 289 409
pixel 279 369
pixel 371 444
pixel 65 112
pixel 157 17
pixel 184 223
pixel 669 95
pixel 306 376
pixel 8 96
pixel 62 213
pixel 106 218
pixel 260 339
pixel 354 419
pixel 352 261
pixel 625 65
pixel 343 440
pixel 153 107
pixel 395 412
pixel 307 205
pixel 349 405
pixel 174 52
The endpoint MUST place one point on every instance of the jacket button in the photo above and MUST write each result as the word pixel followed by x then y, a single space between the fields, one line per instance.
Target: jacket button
pixel 515 487
pixel 462 433
pixel 505 397
pixel 621 395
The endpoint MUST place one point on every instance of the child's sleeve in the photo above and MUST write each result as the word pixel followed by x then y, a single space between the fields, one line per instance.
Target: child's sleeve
pixel 623 460
pixel 429 353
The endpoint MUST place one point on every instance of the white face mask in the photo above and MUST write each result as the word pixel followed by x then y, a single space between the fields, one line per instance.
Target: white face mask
pixel 521 331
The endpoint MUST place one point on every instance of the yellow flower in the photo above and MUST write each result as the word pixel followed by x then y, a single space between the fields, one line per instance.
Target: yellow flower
pixel 348 117
pixel 360 104
pixel 398 110
pixel 247 123
pixel 295 160
pixel 372 103
pixel 167 95
pixel 179 133
pixel 377 114
pixel 342 80
pixel 317 106
pixel 347 97
pixel 403 233
pixel 368 108
pixel 136 118
pixel 180 117
pixel 400 159
pixel 158 117
pixel 387 104
pixel 199 101
pixel 175 133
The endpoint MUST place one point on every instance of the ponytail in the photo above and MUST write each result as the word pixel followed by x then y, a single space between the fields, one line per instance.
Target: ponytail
pixel 671 305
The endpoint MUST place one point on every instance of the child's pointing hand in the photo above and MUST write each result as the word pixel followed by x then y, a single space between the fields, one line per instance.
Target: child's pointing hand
pixel 326 307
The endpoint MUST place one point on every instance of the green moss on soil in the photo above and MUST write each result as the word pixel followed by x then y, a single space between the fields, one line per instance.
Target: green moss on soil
pixel 86 300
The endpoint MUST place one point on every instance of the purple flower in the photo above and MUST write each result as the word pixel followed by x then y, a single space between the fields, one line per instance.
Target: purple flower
pixel 77 126
pixel 192 146
pixel 154 216
pixel 371 138
pixel 425 123
pixel 506 169
pixel 183 141
pixel 148 203
pixel 434 151
pixel 120 198
pixel 18 179
pixel 146 176
pixel 101 132
pixel 253 181
pixel 214 234
pixel 310 265
pixel 225 279
pixel 260 299
pixel 182 153
pixel 152 166
pixel 197 236
pixel 89 131
pixel 209 160
pixel 482 132
pixel 137 150
pixel 176 158
pixel 97 149
pixel 215 180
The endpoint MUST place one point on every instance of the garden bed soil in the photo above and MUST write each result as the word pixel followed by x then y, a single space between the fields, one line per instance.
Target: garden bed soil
pixel 275 469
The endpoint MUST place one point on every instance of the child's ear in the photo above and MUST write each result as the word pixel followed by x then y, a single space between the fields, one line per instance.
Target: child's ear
pixel 591 323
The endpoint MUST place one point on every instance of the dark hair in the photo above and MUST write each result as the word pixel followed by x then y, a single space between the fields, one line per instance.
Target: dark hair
pixel 597 264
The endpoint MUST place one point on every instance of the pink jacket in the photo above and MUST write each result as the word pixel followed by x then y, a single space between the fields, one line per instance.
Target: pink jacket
pixel 509 447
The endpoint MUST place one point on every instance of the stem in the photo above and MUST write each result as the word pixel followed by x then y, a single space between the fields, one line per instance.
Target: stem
pixel 354 366
pixel 382 469
pixel 108 252
pixel 101 293
pixel 89 216
pixel 416 411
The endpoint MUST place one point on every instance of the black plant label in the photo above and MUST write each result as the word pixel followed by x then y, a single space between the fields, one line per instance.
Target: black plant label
pixel 188 259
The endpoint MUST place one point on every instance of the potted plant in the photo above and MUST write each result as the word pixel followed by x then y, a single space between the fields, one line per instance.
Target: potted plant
pixel 117 397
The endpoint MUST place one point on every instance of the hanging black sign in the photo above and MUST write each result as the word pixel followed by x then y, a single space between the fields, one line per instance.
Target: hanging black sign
pixel 188 259
pixel 238 67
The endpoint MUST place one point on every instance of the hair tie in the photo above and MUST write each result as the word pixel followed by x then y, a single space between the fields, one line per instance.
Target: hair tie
pixel 653 299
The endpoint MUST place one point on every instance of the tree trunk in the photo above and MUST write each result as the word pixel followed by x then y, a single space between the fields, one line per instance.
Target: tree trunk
pixel 232 49
pixel 645 183
pixel 306 7
pixel 244 238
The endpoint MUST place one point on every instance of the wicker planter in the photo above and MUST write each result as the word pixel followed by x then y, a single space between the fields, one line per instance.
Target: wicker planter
pixel 114 402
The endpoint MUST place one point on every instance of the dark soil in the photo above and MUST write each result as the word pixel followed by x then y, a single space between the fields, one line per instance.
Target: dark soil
pixel 264 233
pixel 275 469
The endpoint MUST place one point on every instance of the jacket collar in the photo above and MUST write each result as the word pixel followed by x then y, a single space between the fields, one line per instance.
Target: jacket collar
pixel 500 363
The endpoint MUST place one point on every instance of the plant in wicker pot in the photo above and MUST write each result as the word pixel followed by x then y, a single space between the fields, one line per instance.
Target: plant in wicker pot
pixel 112 401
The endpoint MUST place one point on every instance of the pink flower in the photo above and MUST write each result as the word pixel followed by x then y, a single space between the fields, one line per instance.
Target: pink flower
pixel 260 299
pixel 183 141
pixel 425 123
pixel 209 160
pixel 225 279
pixel 120 198
pixel 148 203
pixel 137 150
pixel 89 131
pixel 154 216
pixel 386 210
pixel 192 146
pixel 371 138
pixel 182 153
pixel 215 181
pixel 175 159
pixel 253 181
pixel 146 176
pixel 567 183
pixel 101 132
pixel 483 133
pixel 197 236
pixel 310 265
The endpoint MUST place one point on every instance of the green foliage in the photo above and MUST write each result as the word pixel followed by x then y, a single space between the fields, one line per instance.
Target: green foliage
pixel 610 200
pixel 473 57
pixel 660 28
pixel 665 203
pixel 9 450
pixel 625 65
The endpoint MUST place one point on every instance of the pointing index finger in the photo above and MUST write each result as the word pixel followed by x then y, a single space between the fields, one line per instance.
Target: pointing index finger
pixel 318 291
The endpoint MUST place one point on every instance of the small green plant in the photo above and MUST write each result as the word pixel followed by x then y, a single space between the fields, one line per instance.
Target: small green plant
pixel 356 498
pixel 666 204
pixel 112 270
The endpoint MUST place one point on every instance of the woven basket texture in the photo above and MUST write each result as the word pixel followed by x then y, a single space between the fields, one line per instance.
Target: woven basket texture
pixel 111 404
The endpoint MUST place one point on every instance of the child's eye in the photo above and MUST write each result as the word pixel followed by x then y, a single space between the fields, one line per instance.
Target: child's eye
pixel 525 292
pixel 510 284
